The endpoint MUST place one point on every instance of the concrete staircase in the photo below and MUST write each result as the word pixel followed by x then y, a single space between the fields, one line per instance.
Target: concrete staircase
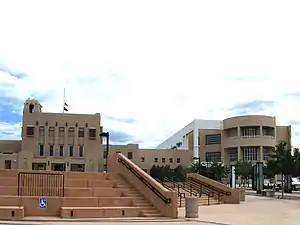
pixel 86 195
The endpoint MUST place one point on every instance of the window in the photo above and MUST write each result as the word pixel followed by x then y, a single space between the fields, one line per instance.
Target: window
pixel 81 132
pixel 249 153
pixel 170 160
pixel 61 150
pixel 30 130
pixel 268 131
pixel 92 133
pixel 178 160
pixel 250 131
pixel 129 155
pixel 163 160
pixel 61 132
pixel 233 155
pixel 71 132
pixel 51 132
pixel 213 139
pixel 31 108
pixel 41 131
pixel 80 150
pixel 267 151
pixel 213 156
pixel 265 156
pixel 7 164
pixel 71 150
pixel 142 159
pixel 178 144
pixel 41 149
pixel 156 160
pixel 51 148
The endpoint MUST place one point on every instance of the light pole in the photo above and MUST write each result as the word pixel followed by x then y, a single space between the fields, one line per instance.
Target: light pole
pixel 106 135
pixel 206 159
pixel 199 163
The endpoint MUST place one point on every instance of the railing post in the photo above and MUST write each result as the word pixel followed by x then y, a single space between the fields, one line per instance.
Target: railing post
pixel 19 183
pixel 63 194
pixel 180 200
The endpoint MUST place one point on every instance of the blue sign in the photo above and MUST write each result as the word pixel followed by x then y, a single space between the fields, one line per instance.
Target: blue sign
pixel 43 203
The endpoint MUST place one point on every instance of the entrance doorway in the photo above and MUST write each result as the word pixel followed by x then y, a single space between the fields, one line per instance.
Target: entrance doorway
pixel 38 166
pixel 58 166
pixel 7 164
pixel 77 167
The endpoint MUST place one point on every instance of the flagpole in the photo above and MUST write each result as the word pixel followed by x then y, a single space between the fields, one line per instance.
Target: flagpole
pixel 64 100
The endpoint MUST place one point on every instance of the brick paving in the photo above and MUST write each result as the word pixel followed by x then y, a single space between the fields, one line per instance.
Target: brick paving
pixel 255 211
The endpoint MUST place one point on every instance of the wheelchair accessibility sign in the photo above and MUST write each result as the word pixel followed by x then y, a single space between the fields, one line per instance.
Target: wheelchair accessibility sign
pixel 43 203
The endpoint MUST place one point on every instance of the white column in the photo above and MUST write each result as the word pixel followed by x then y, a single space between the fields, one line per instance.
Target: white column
pixel 196 144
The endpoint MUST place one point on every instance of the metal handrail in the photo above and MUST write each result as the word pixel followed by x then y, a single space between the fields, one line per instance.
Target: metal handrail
pixel 40 184
pixel 180 195
pixel 209 192
pixel 147 183
pixel 215 189
pixel 182 186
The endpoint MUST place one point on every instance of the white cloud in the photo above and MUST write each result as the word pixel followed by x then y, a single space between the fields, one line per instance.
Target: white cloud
pixel 163 63
pixel 10 131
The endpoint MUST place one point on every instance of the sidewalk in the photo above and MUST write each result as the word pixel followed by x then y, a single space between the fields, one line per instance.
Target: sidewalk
pixel 292 196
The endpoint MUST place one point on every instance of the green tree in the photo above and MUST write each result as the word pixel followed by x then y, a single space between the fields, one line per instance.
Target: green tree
pixel 180 173
pixel 218 171
pixel 162 172
pixel 155 172
pixel 167 172
pixel 297 162
pixel 285 163
pixel 244 170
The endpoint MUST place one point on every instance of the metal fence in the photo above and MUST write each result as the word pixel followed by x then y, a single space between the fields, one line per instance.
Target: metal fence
pixel 40 184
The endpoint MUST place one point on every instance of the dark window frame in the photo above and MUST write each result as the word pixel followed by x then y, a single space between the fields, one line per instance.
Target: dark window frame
pixel 213 139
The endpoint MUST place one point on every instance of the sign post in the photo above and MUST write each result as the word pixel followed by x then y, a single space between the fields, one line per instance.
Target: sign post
pixel 233 178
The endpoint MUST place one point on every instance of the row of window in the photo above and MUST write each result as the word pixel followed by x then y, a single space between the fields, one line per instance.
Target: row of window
pixel 61 132
pixel 212 139
pixel 60 151
pixel 163 160
pixel 255 131
pixel 249 154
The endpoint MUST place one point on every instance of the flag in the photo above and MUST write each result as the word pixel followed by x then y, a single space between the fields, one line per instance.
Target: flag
pixel 65 107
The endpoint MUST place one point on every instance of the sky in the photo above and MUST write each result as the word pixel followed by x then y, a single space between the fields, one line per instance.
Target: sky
pixel 150 67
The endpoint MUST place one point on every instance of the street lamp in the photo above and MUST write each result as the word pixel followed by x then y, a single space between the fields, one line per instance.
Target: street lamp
pixel 106 135
pixel 199 163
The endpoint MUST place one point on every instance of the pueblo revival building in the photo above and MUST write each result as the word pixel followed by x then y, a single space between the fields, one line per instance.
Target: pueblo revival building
pixel 72 142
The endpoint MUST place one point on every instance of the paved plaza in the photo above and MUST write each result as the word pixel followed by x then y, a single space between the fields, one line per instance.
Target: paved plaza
pixel 255 211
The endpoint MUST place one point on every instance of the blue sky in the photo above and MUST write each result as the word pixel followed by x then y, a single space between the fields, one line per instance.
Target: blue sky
pixel 150 67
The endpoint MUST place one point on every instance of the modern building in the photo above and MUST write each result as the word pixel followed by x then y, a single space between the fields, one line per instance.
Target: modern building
pixel 250 138
pixel 72 142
